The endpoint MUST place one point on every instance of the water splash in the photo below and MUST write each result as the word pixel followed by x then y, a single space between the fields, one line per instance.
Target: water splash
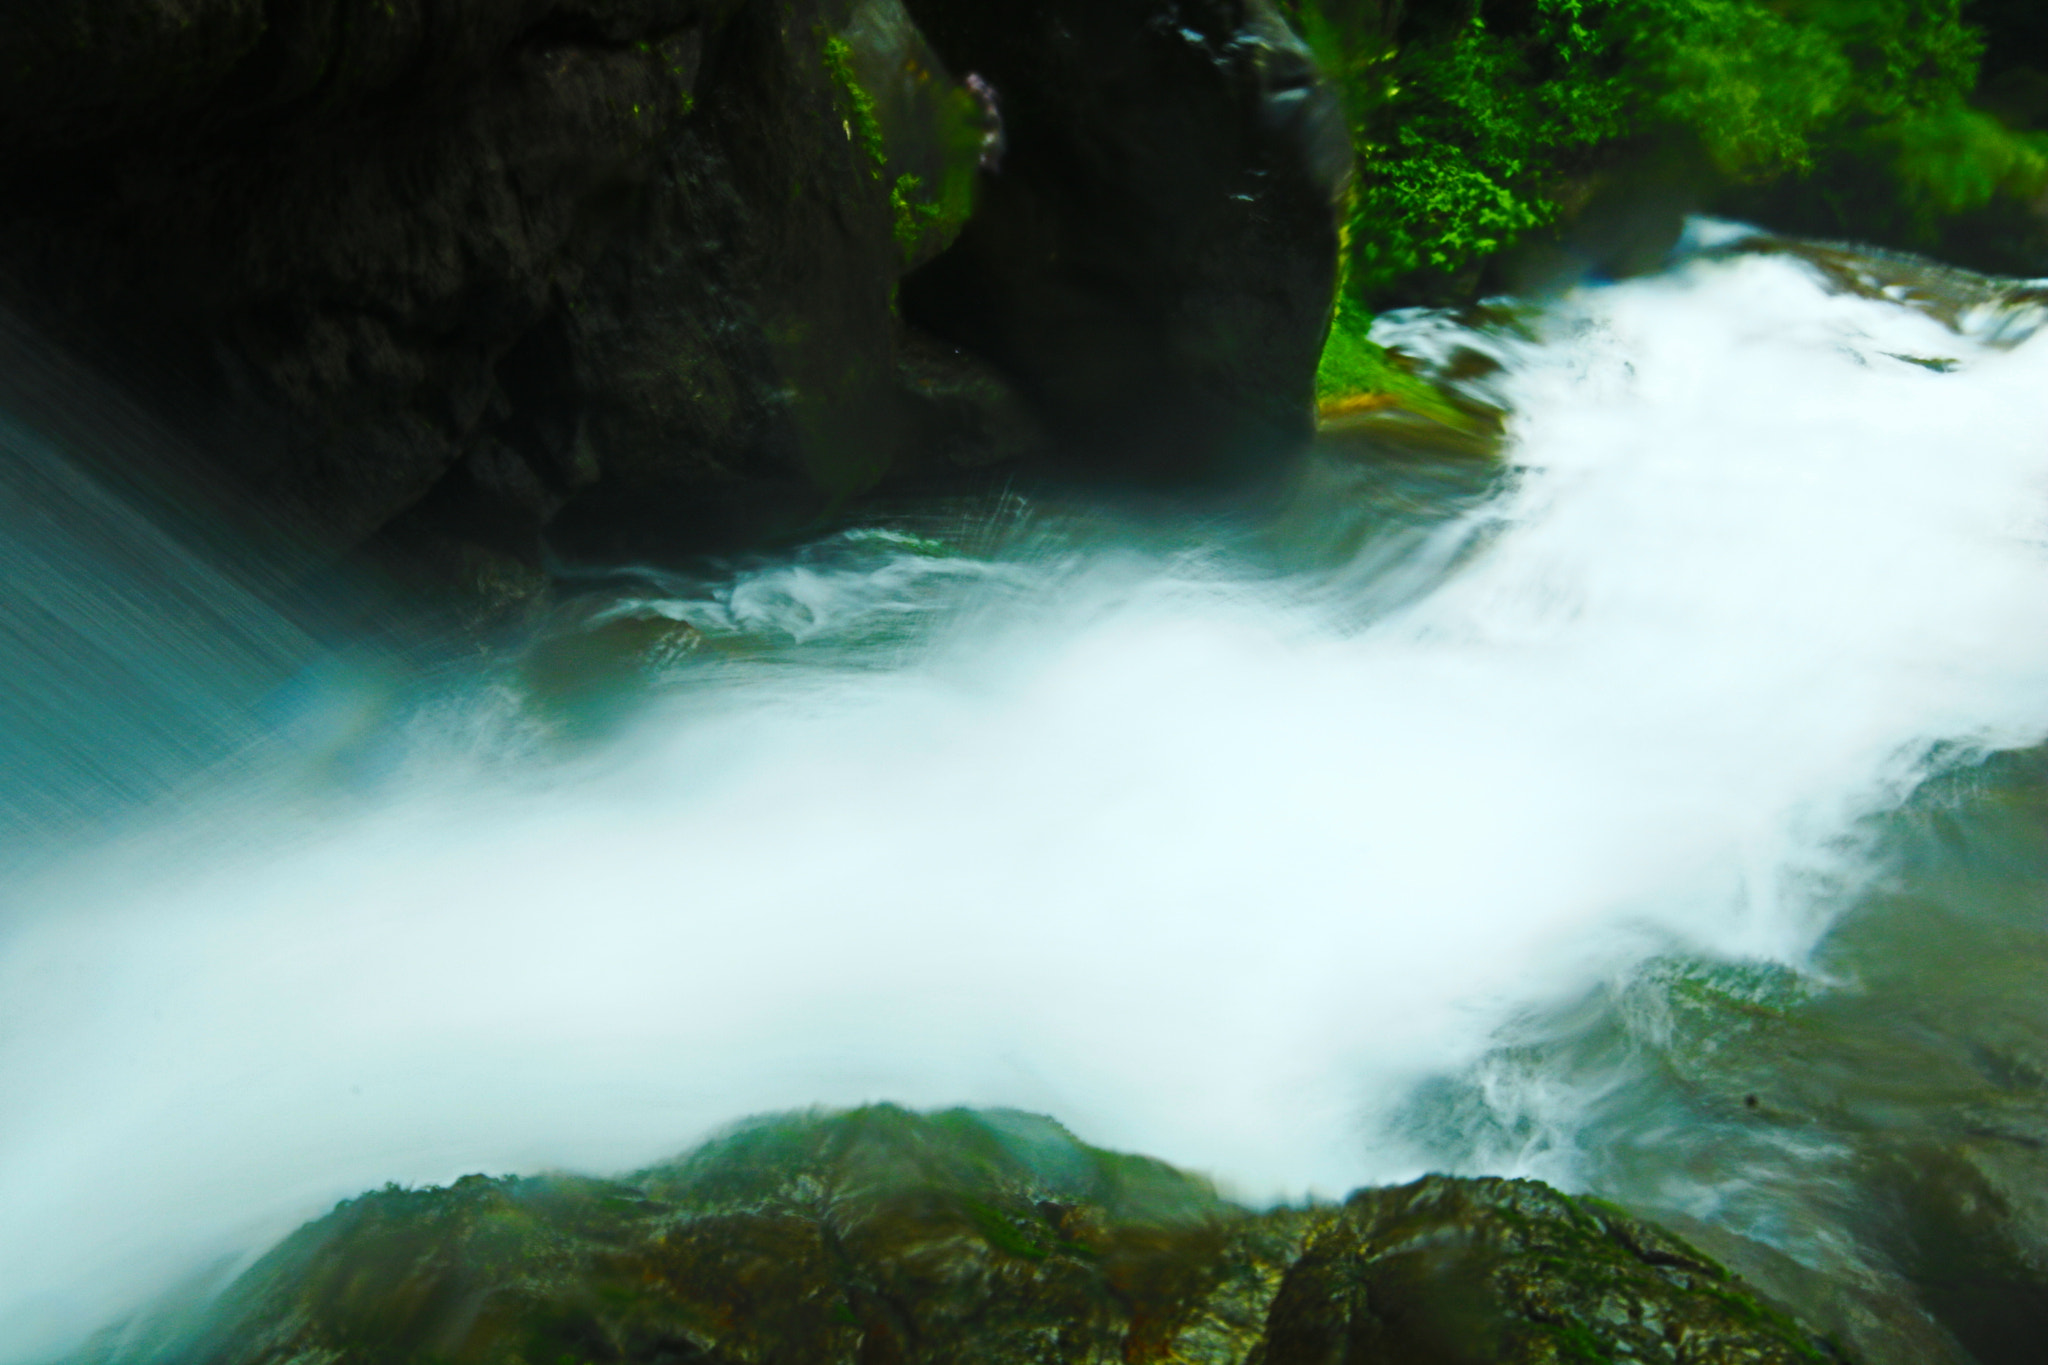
pixel 1212 859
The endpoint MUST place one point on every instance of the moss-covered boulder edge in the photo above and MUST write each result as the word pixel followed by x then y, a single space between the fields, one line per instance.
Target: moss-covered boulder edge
pixel 880 1235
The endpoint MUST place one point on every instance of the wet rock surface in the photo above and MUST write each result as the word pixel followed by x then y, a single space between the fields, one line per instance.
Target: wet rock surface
pixel 434 270
pixel 449 276
pixel 994 1237
pixel 1881 1121
pixel 1155 260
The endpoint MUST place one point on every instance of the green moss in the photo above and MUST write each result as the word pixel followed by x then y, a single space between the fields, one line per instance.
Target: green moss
pixel 743 1250
pixel 1575 1343
pixel 914 215
pixel 1752 1313
pixel 856 105
pixel 999 1232
pixel 1354 370
pixel 670 55
pixel 927 220
pixel 1735 993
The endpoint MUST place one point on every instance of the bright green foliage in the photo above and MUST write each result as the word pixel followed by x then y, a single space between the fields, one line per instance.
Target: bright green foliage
pixel 1954 159
pixel 915 215
pixel 1749 85
pixel 1472 131
pixel 1478 122
pixel 928 217
pixel 941 136
pixel 1352 364
pixel 857 106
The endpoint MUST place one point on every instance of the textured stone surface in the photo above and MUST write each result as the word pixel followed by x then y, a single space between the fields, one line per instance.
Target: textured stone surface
pixel 446 274
pixel 1155 260
pixel 469 258
pixel 881 1236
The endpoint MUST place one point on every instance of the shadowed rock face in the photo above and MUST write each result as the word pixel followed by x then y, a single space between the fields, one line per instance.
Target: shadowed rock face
pixel 881 1236
pixel 459 262
pixel 447 273
pixel 1155 260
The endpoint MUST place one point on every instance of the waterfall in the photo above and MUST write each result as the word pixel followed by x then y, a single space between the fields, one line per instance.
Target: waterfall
pixel 1212 852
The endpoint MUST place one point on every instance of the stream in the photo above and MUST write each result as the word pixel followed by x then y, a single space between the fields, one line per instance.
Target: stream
pixel 1659 813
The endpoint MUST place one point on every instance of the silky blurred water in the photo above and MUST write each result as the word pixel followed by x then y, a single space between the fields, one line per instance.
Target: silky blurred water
pixel 1308 849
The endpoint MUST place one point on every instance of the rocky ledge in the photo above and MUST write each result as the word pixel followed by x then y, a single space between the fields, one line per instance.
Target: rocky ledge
pixel 992 1237
pixel 470 281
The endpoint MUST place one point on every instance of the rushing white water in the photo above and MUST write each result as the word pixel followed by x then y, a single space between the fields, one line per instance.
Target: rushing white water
pixel 1208 861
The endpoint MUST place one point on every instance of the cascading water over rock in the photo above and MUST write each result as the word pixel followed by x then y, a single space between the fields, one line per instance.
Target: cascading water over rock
pixel 1216 854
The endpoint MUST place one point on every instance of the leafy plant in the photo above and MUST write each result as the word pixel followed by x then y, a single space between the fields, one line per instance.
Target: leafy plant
pixel 1480 122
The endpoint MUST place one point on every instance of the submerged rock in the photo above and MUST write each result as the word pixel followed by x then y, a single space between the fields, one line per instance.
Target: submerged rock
pixel 1865 1137
pixel 993 1237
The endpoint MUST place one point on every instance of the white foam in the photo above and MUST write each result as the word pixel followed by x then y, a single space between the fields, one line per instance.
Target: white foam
pixel 1168 853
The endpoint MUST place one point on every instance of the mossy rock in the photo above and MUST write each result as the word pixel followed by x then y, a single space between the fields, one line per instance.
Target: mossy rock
pixel 593 670
pixel 995 1237
pixel 1377 402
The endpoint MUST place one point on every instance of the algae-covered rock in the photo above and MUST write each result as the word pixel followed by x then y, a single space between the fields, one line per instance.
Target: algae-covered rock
pixel 1510 1271
pixel 1866 1137
pixel 993 1237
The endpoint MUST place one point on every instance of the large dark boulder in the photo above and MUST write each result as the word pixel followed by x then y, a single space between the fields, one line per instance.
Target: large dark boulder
pixel 432 270
pixel 882 1236
pixel 1155 257
pixel 447 275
